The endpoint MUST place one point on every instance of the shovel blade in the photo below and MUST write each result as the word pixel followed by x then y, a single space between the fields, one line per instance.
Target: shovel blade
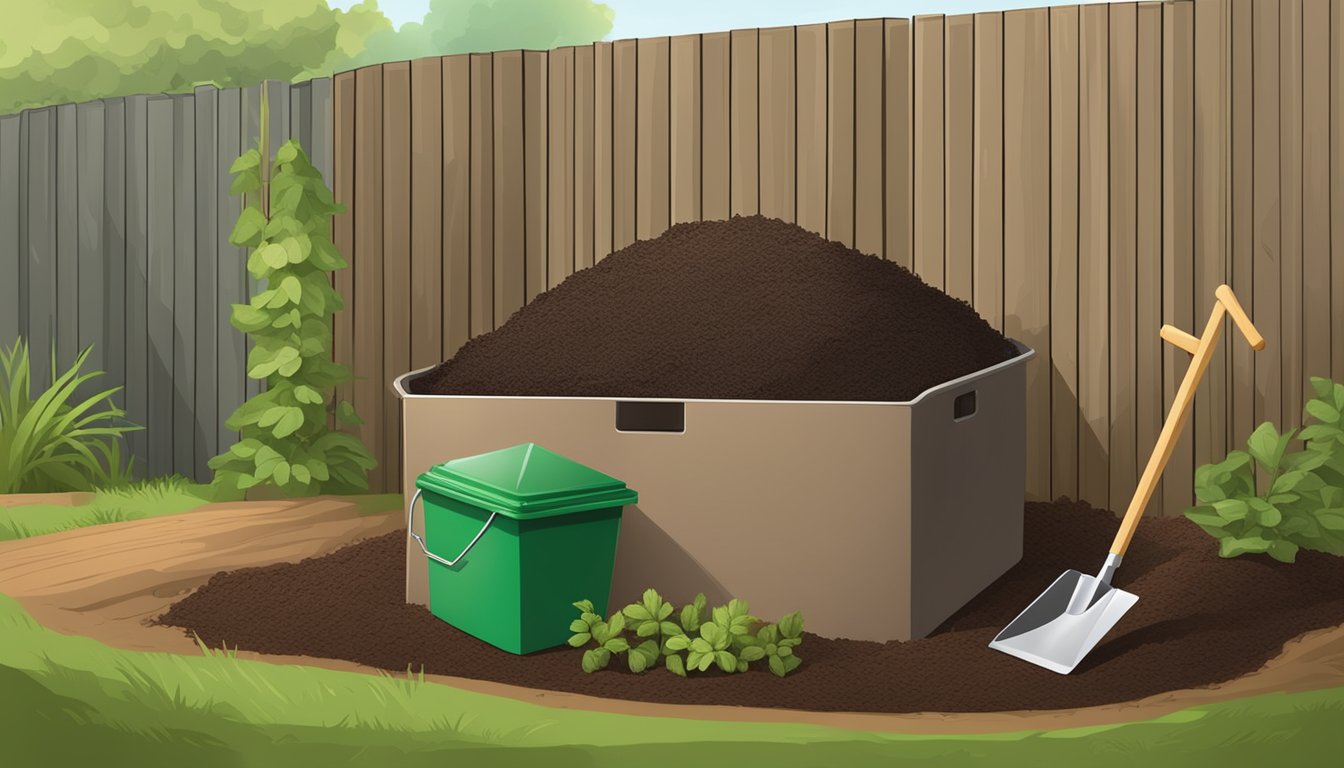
pixel 1047 635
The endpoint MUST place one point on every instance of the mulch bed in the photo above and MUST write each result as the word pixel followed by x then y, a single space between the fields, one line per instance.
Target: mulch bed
pixel 1200 620
pixel 748 308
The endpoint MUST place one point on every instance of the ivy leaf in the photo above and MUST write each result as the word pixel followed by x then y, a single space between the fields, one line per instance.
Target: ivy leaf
pixel 292 289
pixel 346 413
pixel 1283 550
pixel 273 254
pixel 301 473
pixel 306 394
pixel 1323 412
pixel 247 232
pixel 289 422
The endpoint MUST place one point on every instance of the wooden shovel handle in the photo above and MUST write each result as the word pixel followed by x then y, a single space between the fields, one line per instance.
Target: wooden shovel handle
pixel 1226 304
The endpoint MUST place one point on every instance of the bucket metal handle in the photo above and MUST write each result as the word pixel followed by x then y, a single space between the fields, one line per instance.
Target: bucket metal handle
pixel 410 529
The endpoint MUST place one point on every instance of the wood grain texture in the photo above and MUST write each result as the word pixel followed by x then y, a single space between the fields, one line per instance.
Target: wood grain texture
pixel 184 285
pixel 1094 355
pixel 779 120
pixel 562 150
pixel 584 148
pixel 840 132
pixel 39 291
pixel 10 325
pixel 624 100
pixel 510 186
pixel 869 235
pixel 1123 86
pixel 342 226
pixel 685 117
pixel 1293 386
pixel 230 270
pixel 653 183
pixel 66 262
pixel 482 195
pixel 456 217
pixel 427 300
pixel 396 202
pixel 813 146
pixel 714 131
pixel 1180 307
pixel 1026 225
pixel 159 307
pixel 743 132
pixel 206 289
pixel 1064 254
pixel 114 239
pixel 930 221
pixel 1266 259
pixel 90 274
pixel 1148 247
pixel 602 150
pixel 898 73
pixel 958 162
pixel 1316 223
pixel 1241 384
pixel 367 261
pixel 1336 192
pixel 536 167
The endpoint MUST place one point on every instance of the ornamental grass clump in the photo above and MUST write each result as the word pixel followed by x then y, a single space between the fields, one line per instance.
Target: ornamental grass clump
pixel 730 640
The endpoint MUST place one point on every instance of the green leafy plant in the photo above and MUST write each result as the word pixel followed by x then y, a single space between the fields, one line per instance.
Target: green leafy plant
pixel 725 641
pixel 284 438
pixel 1298 502
pixel 56 441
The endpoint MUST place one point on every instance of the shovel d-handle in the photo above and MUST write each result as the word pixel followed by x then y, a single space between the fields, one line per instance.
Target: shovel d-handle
pixel 1201 348
pixel 410 530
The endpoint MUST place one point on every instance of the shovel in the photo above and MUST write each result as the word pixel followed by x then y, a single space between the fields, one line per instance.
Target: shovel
pixel 1067 621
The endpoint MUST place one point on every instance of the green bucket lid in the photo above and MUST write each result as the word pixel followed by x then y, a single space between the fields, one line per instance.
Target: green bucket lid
pixel 526 482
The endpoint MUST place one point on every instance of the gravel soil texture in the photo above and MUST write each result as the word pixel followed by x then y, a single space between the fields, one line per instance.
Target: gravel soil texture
pixel 748 308
pixel 1200 620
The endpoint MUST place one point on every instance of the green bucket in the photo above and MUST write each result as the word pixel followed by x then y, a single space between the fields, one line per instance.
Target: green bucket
pixel 514 537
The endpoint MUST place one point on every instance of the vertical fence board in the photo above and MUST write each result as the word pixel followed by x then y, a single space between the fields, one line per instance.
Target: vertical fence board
pixel 40 287
pixel 685 129
pixel 250 105
pixel 779 122
pixel 623 161
pixel 91 275
pixel 868 114
pixel 396 329
pixel 457 188
pixel 1336 192
pixel 300 115
pixel 427 222
pixel 958 137
pixel 840 132
pixel 899 95
pixel 1123 450
pixel 184 284
pixel 1316 222
pixel 10 327
pixel 482 174
pixel 562 192
pixel 743 102
pixel 1208 424
pixel 929 154
pixel 204 301
pixel 342 224
pixel 714 132
pixel 1178 300
pixel 510 221
pixel 652 148
pixel 159 313
pixel 602 150
pixel 367 259
pixel 1063 235
pixel 987 193
pixel 584 149
pixel 536 166
pixel 320 104
pixel 1267 251
pixel 1026 230
pixel 231 285
pixel 137 275
pixel 812 122
pixel 1148 246
pixel 66 260
pixel 1290 210
pixel 1093 263
pixel 1241 418
pixel 114 236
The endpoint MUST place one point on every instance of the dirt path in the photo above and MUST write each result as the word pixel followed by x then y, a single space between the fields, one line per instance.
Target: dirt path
pixel 106 581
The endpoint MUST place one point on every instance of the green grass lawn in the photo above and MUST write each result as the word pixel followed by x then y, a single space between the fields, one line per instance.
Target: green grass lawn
pixel 73 701
pixel 148 498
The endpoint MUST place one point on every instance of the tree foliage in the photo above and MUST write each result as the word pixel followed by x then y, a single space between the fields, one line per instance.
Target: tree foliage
pixel 61 51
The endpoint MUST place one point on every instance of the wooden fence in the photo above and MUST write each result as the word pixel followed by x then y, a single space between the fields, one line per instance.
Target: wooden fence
pixel 114 225
pixel 1081 175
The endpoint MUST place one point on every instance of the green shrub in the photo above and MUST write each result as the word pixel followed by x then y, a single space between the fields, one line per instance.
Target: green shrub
pixel 1302 503
pixel 725 641
pixel 56 442
pixel 284 438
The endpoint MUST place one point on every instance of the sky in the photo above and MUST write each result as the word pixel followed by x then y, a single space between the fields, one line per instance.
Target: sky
pixel 655 18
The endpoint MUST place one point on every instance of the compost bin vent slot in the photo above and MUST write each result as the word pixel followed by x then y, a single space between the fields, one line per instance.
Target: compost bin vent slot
pixel 650 417
pixel 963 406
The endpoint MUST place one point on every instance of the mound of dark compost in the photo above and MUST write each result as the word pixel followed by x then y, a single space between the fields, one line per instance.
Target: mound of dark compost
pixel 1200 620
pixel 748 308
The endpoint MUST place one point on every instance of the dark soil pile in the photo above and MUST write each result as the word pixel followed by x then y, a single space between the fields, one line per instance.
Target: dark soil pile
pixel 1199 620
pixel 749 308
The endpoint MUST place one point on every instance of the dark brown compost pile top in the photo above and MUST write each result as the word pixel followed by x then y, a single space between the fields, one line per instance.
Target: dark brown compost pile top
pixel 748 308
pixel 1200 620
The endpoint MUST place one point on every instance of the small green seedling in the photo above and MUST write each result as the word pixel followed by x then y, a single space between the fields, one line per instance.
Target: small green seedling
pixel 650 620
pixel 607 635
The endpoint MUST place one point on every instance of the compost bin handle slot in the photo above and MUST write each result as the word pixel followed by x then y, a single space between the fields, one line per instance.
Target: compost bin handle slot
pixel 963 407
pixel 410 529
pixel 642 416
